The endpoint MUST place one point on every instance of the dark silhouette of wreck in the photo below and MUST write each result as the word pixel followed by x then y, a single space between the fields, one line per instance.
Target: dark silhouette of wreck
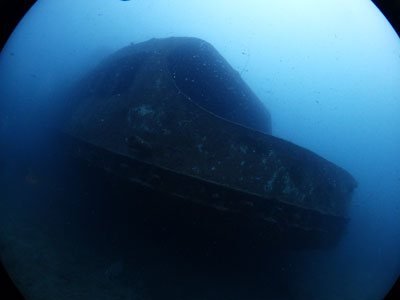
pixel 172 116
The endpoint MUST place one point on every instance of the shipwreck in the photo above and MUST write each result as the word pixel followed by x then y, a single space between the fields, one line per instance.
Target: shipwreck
pixel 173 116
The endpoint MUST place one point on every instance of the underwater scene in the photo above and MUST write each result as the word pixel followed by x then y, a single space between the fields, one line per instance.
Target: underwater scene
pixel 200 150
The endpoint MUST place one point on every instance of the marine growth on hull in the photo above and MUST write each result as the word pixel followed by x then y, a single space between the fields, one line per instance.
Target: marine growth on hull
pixel 173 117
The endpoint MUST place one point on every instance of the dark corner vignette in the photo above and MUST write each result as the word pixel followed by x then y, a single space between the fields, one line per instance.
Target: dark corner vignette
pixel 11 12
pixel 8 290
pixel 391 10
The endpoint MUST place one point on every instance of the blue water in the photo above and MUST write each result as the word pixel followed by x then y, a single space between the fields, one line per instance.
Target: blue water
pixel 328 72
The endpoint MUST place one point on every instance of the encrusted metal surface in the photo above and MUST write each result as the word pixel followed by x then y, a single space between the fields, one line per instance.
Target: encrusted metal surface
pixel 151 131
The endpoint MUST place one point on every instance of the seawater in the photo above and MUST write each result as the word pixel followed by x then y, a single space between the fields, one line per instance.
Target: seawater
pixel 328 72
